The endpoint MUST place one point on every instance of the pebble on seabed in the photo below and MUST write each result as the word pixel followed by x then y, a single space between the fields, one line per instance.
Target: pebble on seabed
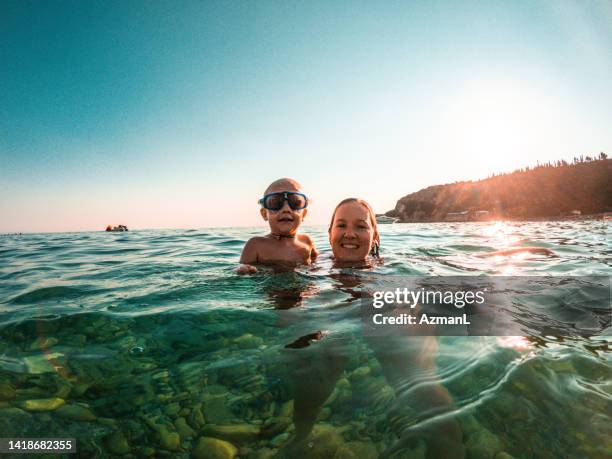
pixel 213 448
pixel 235 433
pixel 117 443
pixel 42 404
pixel 76 413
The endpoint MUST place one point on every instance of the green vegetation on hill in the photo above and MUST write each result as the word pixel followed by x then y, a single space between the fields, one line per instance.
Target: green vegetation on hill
pixel 551 190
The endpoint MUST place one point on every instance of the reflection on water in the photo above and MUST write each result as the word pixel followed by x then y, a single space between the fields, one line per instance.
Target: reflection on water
pixel 147 343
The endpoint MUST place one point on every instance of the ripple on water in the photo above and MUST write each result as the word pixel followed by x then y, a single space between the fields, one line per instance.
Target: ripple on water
pixel 56 293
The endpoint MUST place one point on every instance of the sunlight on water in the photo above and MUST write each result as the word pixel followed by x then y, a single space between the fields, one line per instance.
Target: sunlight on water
pixel 520 343
pixel 501 233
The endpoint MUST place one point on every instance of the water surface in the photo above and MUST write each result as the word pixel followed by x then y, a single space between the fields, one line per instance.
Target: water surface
pixel 144 343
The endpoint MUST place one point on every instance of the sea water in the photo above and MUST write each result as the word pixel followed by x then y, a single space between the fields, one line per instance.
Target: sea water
pixel 147 343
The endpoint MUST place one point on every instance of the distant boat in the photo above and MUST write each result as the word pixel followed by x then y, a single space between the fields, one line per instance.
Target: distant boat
pixel 116 228
pixel 384 220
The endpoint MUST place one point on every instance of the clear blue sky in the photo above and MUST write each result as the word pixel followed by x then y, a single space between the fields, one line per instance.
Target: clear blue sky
pixel 178 114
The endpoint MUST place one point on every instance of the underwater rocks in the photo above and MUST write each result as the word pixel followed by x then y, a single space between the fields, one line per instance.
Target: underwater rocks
pixel 326 441
pixel 216 411
pixel 233 401
pixel 32 392
pixel 356 450
pixel 263 453
pixel 7 392
pixel 383 398
pixel 248 341
pixel 324 446
pixel 76 340
pixel 144 366
pixel 343 383
pixel 323 443
pixel 482 444
pixel 214 391
pixel 42 404
pixel 507 409
pixel 230 373
pixel 117 443
pixel 280 440
pixel 13 421
pixel 76 413
pixel 213 344
pixel 418 452
pixel 213 448
pixel 44 363
pixel 503 455
pixel 42 343
pixel 235 433
pixel 286 409
pixel 360 374
pixel 469 426
pixel 183 429
pixel 196 417
pixel 275 426
pixel 172 409
pixel 324 414
pixel 250 383
pixel 169 440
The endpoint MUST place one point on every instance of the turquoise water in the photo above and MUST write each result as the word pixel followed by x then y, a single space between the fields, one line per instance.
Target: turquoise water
pixel 147 344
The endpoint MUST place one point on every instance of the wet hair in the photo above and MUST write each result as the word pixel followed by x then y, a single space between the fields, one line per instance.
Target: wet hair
pixel 374 251
pixel 283 181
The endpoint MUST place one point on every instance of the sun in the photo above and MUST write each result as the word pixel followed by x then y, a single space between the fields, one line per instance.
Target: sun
pixel 498 116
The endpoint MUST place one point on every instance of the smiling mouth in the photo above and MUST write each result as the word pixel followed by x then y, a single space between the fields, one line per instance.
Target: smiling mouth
pixel 349 246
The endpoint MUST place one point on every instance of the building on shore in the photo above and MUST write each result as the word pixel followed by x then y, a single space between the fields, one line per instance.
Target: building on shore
pixel 469 216
pixel 482 215
pixel 457 216
pixel 382 219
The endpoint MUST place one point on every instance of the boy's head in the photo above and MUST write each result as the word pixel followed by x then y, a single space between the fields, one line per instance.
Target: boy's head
pixel 283 206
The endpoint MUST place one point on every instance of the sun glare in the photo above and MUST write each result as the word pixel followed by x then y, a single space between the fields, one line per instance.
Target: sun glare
pixel 499 117
pixel 501 234
pixel 520 343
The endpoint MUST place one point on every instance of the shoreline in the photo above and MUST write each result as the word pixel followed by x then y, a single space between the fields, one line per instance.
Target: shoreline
pixel 603 217
pixel 606 216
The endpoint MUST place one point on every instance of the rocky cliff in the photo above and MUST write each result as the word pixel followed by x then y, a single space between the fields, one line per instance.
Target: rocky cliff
pixel 546 191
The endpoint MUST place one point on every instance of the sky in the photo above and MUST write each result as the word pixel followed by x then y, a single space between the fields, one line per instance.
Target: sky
pixel 166 114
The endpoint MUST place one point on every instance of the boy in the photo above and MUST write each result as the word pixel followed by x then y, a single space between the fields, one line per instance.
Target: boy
pixel 283 206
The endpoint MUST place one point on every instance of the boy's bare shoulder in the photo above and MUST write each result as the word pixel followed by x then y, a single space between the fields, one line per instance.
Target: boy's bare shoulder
pixel 305 239
pixel 257 240
pixel 250 252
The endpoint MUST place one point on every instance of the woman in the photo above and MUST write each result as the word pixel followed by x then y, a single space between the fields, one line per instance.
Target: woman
pixel 355 242
pixel 353 233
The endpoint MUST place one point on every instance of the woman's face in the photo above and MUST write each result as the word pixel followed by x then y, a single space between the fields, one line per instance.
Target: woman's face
pixel 351 234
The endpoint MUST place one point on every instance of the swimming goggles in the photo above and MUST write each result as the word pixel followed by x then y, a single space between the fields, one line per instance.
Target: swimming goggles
pixel 275 201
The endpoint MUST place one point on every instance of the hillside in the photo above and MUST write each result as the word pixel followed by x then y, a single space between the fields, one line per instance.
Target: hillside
pixel 546 191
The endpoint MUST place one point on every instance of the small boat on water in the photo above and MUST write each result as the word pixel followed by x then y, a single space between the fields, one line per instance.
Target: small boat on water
pixel 117 228
pixel 384 220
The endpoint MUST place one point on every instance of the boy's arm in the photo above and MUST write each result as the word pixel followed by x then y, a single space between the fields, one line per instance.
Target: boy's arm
pixel 248 257
pixel 249 252
pixel 313 250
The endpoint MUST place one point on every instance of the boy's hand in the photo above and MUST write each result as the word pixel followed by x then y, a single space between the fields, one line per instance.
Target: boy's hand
pixel 246 269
